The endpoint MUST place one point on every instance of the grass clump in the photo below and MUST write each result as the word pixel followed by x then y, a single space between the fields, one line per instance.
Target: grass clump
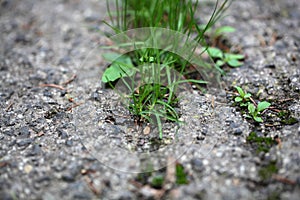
pixel 149 73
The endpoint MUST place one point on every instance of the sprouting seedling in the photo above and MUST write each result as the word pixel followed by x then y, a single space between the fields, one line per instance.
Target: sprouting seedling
pixel 223 30
pixel 244 98
pixel 233 60
pixel 255 112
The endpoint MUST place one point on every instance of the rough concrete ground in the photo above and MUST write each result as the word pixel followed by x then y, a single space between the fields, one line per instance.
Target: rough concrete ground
pixel 42 157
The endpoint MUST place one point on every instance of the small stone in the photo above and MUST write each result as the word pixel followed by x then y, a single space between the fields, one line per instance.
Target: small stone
pixel 47 93
pixel 69 143
pixel 48 196
pixel 21 38
pixel 36 150
pixel 12 143
pixel 146 130
pixel 197 164
pixel 24 142
pixel 9 133
pixel 95 96
pixel 125 195
pixel 147 192
pixel 234 125
pixel 64 60
pixel 24 131
pixel 62 134
pixel 238 131
pixel 200 137
pixel 82 195
pixel 68 177
pixel 28 169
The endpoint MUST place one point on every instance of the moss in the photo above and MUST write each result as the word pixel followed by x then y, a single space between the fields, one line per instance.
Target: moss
pixel 286 118
pixel 266 172
pixel 262 144
pixel 181 177
pixel 157 182
pixel 275 195
pixel 290 121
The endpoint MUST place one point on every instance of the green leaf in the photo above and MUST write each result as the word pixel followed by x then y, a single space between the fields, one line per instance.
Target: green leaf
pixel 215 52
pixel 251 109
pixel 238 99
pixel 224 29
pixel 231 56
pixel 247 95
pixel 262 106
pixel 258 119
pixel 234 63
pixel 120 67
pixel 240 91
pixel 220 63
pixel 244 104
pixel 111 56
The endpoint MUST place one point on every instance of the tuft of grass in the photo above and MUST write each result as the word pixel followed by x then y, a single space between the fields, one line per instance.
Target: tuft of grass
pixel 150 98
pixel 177 15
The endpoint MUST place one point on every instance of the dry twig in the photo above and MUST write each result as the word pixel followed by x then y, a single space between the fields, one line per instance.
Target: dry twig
pixel 70 80
pixel 53 86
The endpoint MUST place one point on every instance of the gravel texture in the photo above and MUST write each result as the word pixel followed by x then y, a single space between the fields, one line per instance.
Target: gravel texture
pixel 44 154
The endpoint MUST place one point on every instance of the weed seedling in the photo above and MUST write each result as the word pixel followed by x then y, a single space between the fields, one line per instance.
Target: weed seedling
pixel 244 98
pixel 232 60
pixel 255 112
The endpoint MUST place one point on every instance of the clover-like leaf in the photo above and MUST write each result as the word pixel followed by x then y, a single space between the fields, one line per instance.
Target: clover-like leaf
pixel 248 95
pixel 258 119
pixel 240 91
pixel 215 52
pixel 220 63
pixel 262 106
pixel 231 56
pixel 234 63
pixel 238 99
pixel 251 108
pixel 121 67
pixel 244 104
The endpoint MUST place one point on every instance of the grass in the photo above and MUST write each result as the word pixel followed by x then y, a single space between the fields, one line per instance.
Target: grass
pixel 151 76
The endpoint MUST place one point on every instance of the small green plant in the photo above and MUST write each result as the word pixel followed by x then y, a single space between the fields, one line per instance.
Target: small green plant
pixel 219 32
pixel 181 176
pixel 244 98
pixel 157 182
pixel 149 97
pixel 232 60
pixel 121 67
pixel 255 112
